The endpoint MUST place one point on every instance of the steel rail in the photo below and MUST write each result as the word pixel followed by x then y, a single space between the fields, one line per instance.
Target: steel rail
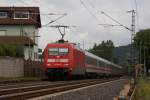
pixel 37 87
pixel 40 91
pixel 15 85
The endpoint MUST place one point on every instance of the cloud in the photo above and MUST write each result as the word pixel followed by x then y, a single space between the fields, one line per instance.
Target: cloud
pixel 87 28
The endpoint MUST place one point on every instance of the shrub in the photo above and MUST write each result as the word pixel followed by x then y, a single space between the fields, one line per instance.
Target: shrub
pixel 11 50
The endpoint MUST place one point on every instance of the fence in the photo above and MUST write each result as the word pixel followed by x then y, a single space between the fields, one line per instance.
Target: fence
pixel 33 69
pixel 17 67
pixel 11 67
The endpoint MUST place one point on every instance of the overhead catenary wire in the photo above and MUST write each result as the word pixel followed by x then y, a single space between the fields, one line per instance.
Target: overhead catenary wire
pixel 90 12
pixel 44 13
pixel 115 21
pixel 105 25
pixel 40 13
pixel 109 25
pixel 54 20
pixel 93 6
pixel 48 13
pixel 62 15
pixel 36 1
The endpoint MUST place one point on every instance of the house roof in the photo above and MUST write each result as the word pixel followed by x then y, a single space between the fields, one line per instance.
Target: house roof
pixel 33 20
pixel 23 40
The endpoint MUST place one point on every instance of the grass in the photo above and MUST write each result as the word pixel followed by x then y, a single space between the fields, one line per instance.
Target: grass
pixel 142 91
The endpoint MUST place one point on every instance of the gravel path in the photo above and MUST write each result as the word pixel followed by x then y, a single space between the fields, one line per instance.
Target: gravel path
pixel 98 92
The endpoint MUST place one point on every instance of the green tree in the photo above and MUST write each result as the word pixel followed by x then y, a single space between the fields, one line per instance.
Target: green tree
pixel 10 50
pixel 142 43
pixel 104 50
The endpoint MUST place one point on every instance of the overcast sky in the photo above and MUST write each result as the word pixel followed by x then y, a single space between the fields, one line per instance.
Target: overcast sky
pixel 85 15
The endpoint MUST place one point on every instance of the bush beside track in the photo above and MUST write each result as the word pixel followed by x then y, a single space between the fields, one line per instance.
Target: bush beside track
pixel 143 89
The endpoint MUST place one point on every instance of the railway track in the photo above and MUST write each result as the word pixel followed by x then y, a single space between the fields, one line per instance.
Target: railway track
pixel 17 85
pixel 26 92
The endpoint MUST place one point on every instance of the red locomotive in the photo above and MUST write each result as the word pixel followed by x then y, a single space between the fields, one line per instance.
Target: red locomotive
pixel 67 59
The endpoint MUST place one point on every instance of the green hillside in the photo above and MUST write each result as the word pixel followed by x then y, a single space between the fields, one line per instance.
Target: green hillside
pixel 122 54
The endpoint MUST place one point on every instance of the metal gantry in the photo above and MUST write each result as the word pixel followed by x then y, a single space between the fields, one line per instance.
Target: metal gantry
pixel 132 37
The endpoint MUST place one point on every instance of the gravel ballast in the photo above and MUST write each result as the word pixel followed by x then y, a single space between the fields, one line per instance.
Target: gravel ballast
pixel 105 91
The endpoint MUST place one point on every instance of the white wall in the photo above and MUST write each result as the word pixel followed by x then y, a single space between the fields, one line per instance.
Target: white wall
pixel 11 67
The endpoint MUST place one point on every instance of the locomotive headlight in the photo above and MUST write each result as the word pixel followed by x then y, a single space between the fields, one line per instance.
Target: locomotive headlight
pixel 48 64
pixel 63 60
pixel 50 60
pixel 66 64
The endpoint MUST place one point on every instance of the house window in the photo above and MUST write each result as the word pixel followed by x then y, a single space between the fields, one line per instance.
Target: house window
pixel 3 14
pixel 2 33
pixel 21 15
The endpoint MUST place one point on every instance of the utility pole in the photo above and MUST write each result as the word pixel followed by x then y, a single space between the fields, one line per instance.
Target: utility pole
pixel 132 53
pixel 132 45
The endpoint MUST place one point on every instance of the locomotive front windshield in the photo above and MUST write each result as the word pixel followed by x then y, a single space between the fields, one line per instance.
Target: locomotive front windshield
pixel 57 51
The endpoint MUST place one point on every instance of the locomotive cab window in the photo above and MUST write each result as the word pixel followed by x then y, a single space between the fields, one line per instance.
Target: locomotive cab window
pixel 53 51
pixel 63 51
pixel 57 51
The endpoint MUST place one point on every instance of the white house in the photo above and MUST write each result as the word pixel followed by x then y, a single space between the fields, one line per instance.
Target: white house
pixel 20 25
